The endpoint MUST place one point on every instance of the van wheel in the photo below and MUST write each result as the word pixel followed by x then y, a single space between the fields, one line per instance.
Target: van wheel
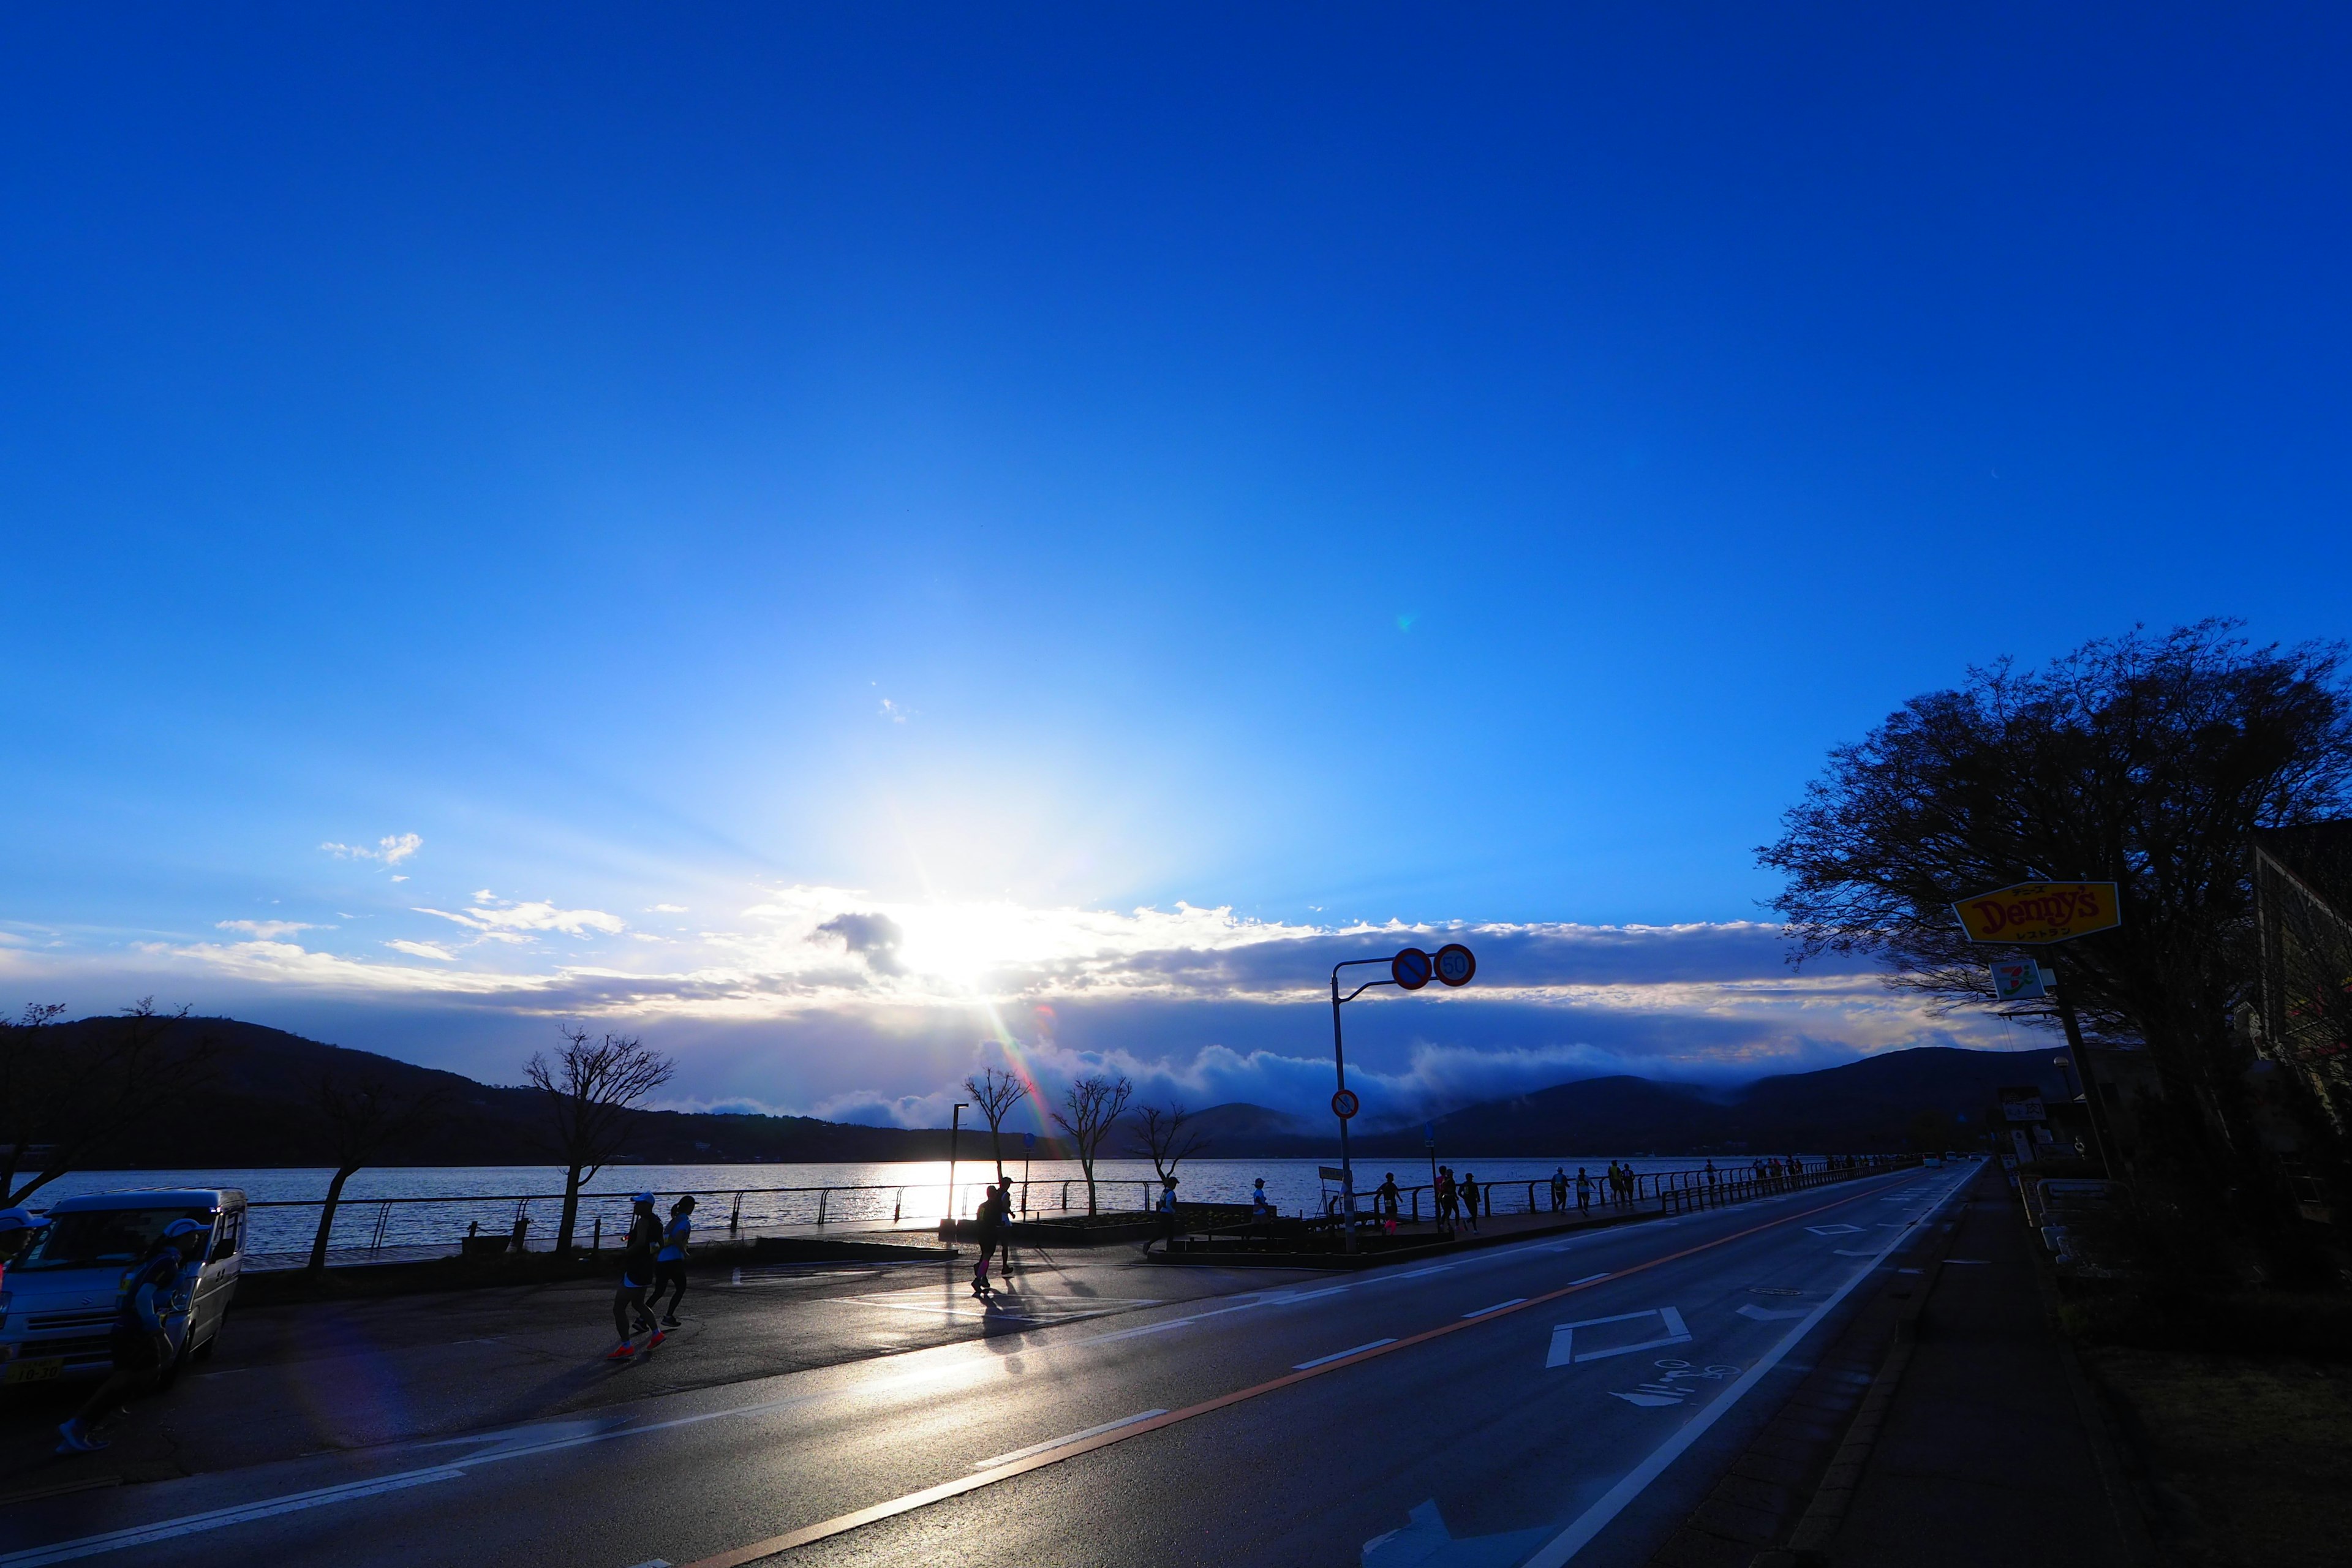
pixel 172 1373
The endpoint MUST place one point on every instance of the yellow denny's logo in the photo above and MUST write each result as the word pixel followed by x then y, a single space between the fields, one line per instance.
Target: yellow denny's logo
pixel 2040 912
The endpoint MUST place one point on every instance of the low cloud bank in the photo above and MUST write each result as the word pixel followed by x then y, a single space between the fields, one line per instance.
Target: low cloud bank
pixel 822 1002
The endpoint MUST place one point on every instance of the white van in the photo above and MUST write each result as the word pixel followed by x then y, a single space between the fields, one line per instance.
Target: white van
pixel 58 1300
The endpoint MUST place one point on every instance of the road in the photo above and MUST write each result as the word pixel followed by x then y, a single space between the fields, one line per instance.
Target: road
pixel 1533 1403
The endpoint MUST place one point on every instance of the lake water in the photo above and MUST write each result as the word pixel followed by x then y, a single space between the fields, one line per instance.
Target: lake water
pixel 767 1199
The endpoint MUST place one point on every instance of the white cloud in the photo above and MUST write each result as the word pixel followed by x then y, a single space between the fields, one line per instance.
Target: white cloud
pixel 423 949
pixel 266 930
pixel 665 909
pixel 896 712
pixel 390 850
pixel 498 917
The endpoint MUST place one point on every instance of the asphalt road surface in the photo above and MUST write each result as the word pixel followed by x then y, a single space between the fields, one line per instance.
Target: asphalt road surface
pixel 1532 1404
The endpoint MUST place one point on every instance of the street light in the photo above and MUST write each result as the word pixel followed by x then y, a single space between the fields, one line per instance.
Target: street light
pixel 955 1131
pixel 2065 1074
pixel 1409 970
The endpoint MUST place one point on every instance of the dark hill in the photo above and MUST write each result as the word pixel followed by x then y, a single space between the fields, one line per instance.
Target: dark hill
pixel 258 1107
pixel 1862 1106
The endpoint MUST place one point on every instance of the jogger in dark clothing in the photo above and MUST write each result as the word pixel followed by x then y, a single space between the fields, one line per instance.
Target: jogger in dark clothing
pixel 629 1313
pixel 141 1340
pixel 1470 1198
pixel 669 1264
pixel 994 1209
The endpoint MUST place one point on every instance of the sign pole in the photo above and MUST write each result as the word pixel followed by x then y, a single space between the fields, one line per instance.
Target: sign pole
pixel 2091 1112
pixel 1347 1167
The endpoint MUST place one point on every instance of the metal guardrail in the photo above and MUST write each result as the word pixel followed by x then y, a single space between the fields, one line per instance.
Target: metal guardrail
pixel 387 1225
pixel 1666 1192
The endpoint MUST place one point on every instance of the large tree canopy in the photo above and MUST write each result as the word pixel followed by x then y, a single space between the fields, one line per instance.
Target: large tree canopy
pixel 2145 761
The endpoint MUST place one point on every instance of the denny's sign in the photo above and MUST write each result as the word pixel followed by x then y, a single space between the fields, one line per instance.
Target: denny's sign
pixel 2040 912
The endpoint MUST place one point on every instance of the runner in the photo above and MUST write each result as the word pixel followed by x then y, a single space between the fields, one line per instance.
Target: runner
pixel 1261 1207
pixel 1558 1189
pixel 989 1220
pixel 1583 1190
pixel 141 1341
pixel 630 1315
pixel 669 1265
pixel 1470 1199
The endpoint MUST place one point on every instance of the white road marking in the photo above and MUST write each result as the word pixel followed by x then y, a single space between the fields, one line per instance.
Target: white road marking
pixel 1594 1519
pixel 1967 1261
pixel 652 1562
pixel 1563 1351
pixel 1835 1229
pixel 1591 1278
pixel 1765 1315
pixel 1064 1440
pixel 220 1519
pixel 1342 1355
pixel 1495 1308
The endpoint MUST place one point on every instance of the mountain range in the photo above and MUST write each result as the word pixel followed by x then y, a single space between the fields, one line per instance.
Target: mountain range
pixel 259 1107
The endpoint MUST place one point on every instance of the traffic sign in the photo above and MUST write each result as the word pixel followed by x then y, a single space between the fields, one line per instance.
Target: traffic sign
pixel 1028 1141
pixel 1456 964
pixel 2017 979
pixel 1344 1104
pixel 1409 968
pixel 2036 913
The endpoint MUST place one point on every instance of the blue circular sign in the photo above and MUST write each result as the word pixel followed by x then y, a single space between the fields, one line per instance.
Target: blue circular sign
pixel 1456 964
pixel 1411 969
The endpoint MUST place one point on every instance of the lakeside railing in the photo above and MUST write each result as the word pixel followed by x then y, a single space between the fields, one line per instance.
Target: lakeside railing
pixel 1662 1192
pixel 384 1228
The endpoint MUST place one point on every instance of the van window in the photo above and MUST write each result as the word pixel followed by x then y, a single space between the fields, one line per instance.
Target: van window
pixel 95 1238
pixel 228 1233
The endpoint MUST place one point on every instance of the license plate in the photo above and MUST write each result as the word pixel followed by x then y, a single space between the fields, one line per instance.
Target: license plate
pixel 32 1371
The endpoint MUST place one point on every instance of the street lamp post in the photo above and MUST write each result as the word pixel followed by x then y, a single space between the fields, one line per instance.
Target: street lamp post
pixel 1409 970
pixel 955 1131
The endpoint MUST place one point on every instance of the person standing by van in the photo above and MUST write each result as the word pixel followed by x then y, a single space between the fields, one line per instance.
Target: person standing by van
pixel 669 1264
pixel 141 1340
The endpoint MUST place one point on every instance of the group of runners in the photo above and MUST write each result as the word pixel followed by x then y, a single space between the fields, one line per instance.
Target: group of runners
pixel 653 1259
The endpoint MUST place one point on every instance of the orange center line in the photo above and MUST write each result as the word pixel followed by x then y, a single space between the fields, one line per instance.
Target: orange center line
pixel 840 1524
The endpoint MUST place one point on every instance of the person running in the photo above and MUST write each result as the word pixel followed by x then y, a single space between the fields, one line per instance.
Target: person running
pixel 1448 1198
pixel 989 1224
pixel 670 1263
pixel 1390 1197
pixel 1261 1207
pixel 1583 1190
pixel 1559 1189
pixel 141 1341
pixel 1470 1196
pixel 631 1316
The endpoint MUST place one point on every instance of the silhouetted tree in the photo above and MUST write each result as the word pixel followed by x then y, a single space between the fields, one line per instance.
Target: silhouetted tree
pixel 359 1121
pixel 1090 1109
pixel 1163 1133
pixel 996 1093
pixel 70 1093
pixel 2145 761
pixel 592 1091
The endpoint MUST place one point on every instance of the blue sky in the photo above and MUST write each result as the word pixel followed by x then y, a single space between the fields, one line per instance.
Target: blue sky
pixel 1011 470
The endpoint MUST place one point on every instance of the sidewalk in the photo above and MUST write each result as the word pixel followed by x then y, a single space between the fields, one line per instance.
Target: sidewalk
pixel 1992 1448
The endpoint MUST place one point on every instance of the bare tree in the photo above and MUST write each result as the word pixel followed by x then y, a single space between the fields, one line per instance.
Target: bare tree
pixel 592 1091
pixel 996 1093
pixel 69 1092
pixel 1161 1131
pixel 360 1120
pixel 1090 1109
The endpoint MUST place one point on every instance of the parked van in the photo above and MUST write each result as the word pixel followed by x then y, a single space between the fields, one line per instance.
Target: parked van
pixel 56 1311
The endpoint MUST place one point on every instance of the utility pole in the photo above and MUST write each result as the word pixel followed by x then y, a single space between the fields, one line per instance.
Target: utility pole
pixel 955 1131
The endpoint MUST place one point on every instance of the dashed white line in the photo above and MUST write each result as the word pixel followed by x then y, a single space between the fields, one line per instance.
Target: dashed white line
pixel 1591 1278
pixel 1495 1308
pixel 1342 1355
pixel 1064 1440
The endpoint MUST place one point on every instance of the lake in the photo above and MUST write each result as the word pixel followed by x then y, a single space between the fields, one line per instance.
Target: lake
pixel 432 1207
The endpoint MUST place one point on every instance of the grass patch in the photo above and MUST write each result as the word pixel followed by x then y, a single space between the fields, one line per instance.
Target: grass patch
pixel 2252 1455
